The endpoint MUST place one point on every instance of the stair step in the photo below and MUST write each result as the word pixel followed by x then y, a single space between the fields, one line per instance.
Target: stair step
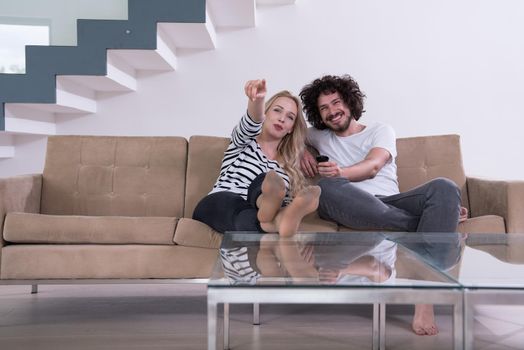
pixel 163 58
pixel 70 99
pixel 232 13
pixel 120 77
pixel 191 35
pixel 275 2
pixel 59 107
pixel 20 119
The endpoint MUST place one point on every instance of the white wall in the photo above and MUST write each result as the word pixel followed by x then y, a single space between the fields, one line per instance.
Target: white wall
pixel 427 67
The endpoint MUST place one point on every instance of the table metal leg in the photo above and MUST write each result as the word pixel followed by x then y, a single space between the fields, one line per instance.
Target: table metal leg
pixel 226 326
pixel 211 325
pixel 379 326
pixel 376 326
pixel 382 326
pixel 469 322
pixel 458 324
pixel 256 314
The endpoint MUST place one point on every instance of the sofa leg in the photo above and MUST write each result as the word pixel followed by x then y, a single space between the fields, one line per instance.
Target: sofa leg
pixel 34 288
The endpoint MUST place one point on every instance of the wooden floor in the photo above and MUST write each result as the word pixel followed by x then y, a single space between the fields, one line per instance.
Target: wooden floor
pixel 174 317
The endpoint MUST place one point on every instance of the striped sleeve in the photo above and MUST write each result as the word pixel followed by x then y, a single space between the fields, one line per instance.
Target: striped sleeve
pixel 244 160
pixel 245 131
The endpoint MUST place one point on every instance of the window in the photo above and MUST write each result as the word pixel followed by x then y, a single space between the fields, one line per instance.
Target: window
pixel 13 39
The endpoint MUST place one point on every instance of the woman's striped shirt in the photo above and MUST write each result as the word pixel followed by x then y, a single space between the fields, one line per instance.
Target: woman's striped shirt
pixel 244 160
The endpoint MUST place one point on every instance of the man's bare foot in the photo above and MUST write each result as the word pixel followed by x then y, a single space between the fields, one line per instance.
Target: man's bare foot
pixel 270 201
pixel 305 202
pixel 424 320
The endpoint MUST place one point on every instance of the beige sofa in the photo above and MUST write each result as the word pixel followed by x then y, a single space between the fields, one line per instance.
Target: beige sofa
pixel 119 208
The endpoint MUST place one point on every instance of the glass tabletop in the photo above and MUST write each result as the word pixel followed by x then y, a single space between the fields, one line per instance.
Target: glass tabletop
pixel 338 259
pixel 492 261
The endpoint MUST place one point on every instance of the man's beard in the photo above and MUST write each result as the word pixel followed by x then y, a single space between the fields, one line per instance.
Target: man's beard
pixel 340 128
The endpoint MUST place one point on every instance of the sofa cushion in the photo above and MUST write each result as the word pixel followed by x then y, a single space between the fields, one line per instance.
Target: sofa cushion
pixel 204 159
pixel 193 233
pixel 38 228
pixel 483 224
pixel 114 176
pixel 67 261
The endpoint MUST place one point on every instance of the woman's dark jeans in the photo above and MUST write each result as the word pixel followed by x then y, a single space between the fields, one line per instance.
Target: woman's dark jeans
pixel 228 211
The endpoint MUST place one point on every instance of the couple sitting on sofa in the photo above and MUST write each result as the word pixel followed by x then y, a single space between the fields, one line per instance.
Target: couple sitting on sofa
pixel 262 186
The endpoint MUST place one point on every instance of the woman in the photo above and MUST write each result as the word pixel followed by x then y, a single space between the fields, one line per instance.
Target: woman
pixel 260 170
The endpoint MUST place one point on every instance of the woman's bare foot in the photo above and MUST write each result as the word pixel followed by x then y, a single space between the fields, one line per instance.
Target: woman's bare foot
pixel 270 201
pixel 424 320
pixel 305 202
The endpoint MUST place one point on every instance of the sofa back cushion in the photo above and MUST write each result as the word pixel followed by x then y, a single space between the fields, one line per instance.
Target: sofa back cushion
pixel 114 175
pixel 205 155
pixel 421 159
pixel 71 229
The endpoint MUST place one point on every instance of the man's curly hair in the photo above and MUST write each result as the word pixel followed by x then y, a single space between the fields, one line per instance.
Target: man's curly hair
pixel 345 85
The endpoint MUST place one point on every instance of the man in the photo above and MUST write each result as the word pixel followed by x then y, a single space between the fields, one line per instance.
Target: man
pixel 359 181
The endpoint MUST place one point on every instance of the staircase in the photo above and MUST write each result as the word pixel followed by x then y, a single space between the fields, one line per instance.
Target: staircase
pixel 65 81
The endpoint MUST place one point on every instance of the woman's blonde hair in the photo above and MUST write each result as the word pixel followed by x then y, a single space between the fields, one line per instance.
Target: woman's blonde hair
pixel 291 147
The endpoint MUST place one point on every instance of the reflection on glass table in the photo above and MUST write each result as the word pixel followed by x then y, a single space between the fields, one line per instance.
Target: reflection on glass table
pixel 357 259
pixel 335 268
pixel 493 261
pixel 311 259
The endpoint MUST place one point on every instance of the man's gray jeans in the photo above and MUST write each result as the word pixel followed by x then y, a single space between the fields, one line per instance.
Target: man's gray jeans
pixel 431 207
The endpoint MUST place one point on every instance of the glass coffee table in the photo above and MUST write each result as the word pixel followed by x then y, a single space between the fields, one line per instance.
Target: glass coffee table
pixel 337 268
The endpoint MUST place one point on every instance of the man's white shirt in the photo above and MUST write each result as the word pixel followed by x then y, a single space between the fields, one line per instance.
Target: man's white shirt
pixel 349 150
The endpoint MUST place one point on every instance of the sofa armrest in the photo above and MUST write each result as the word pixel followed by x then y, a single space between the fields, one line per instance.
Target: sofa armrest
pixel 494 197
pixel 19 193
